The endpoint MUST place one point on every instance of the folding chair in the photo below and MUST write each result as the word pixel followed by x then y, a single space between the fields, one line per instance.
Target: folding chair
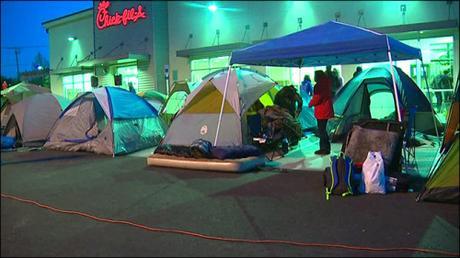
pixel 409 142
pixel 272 147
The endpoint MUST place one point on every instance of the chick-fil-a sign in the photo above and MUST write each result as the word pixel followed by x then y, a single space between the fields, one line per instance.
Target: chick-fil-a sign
pixel 104 19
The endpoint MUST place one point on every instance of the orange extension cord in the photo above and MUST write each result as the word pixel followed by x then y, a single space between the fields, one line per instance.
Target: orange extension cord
pixel 238 240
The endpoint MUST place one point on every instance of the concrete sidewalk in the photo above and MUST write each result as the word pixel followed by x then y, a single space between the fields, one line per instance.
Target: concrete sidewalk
pixel 302 157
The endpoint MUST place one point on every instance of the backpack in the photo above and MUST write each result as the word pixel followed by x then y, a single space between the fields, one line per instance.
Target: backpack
pixel 338 178
pixel 289 99
pixel 277 123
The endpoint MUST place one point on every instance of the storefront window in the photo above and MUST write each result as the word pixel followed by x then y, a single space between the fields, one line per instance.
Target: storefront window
pixel 294 76
pixel 128 75
pixel 74 84
pixel 438 58
pixel 202 67
pixel 280 75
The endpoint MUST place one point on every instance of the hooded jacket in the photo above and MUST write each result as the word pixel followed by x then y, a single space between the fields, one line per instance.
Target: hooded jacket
pixel 322 99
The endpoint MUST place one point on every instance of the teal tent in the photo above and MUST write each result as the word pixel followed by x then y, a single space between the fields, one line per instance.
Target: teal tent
pixel 108 120
pixel 370 96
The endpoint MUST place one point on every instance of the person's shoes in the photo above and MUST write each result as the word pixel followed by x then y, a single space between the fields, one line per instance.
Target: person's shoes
pixel 322 152
pixel 318 152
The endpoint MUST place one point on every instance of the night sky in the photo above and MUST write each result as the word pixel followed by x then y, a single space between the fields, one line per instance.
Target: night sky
pixel 21 26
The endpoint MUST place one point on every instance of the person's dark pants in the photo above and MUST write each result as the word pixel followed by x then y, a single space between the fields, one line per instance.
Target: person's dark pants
pixel 438 100
pixel 324 143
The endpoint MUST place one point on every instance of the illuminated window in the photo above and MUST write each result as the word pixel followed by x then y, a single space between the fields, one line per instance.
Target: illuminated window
pixel 294 76
pixel 202 67
pixel 129 75
pixel 74 84
pixel 281 75
pixel 438 56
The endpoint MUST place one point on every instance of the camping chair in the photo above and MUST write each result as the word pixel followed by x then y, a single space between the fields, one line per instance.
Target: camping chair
pixel 409 142
pixel 361 139
pixel 264 139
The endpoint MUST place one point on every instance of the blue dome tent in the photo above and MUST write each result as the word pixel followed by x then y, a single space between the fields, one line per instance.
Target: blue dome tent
pixel 110 121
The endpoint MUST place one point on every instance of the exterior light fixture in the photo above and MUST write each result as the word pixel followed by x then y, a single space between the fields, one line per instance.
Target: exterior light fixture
pixel 361 16
pixel 403 9
pixel 212 8
pixel 39 67
pixel 337 16
pixel 264 30
pixel 216 37
pixel 72 38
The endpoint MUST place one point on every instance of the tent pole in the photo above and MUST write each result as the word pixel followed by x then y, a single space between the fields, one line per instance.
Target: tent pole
pixel 300 74
pixel 429 99
pixel 223 104
pixel 395 90
pixel 300 79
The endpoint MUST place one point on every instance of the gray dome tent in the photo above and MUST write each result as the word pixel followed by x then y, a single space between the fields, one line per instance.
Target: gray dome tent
pixel 354 101
pixel 30 120
pixel 199 116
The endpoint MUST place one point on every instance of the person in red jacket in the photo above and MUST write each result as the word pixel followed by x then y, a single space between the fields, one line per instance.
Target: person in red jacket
pixel 322 101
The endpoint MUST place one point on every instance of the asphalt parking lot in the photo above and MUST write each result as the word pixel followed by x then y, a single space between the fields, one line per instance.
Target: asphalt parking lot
pixel 264 204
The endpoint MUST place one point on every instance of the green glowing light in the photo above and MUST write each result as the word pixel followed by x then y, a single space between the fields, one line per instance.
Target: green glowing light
pixel 71 38
pixel 212 8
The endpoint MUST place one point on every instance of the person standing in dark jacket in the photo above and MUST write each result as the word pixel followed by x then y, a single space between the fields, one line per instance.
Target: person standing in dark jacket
pixel 358 70
pixel 334 78
pixel 322 101
pixel 289 99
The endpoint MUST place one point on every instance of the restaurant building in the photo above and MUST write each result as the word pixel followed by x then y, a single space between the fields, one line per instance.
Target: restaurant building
pixel 150 44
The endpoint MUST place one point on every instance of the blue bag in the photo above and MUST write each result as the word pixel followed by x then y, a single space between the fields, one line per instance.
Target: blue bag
pixel 8 142
pixel 339 177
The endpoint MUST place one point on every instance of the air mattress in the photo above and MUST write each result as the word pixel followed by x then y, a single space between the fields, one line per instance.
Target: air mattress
pixel 226 165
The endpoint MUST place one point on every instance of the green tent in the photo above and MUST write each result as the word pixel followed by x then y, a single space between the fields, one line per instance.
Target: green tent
pixel 155 98
pixel 175 100
pixel 443 184
pixel 370 96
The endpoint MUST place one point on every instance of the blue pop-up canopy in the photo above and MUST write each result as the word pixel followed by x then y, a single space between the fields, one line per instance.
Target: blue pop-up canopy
pixel 330 43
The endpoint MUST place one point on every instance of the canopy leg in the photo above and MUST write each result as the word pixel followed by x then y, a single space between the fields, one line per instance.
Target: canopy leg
pixel 429 99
